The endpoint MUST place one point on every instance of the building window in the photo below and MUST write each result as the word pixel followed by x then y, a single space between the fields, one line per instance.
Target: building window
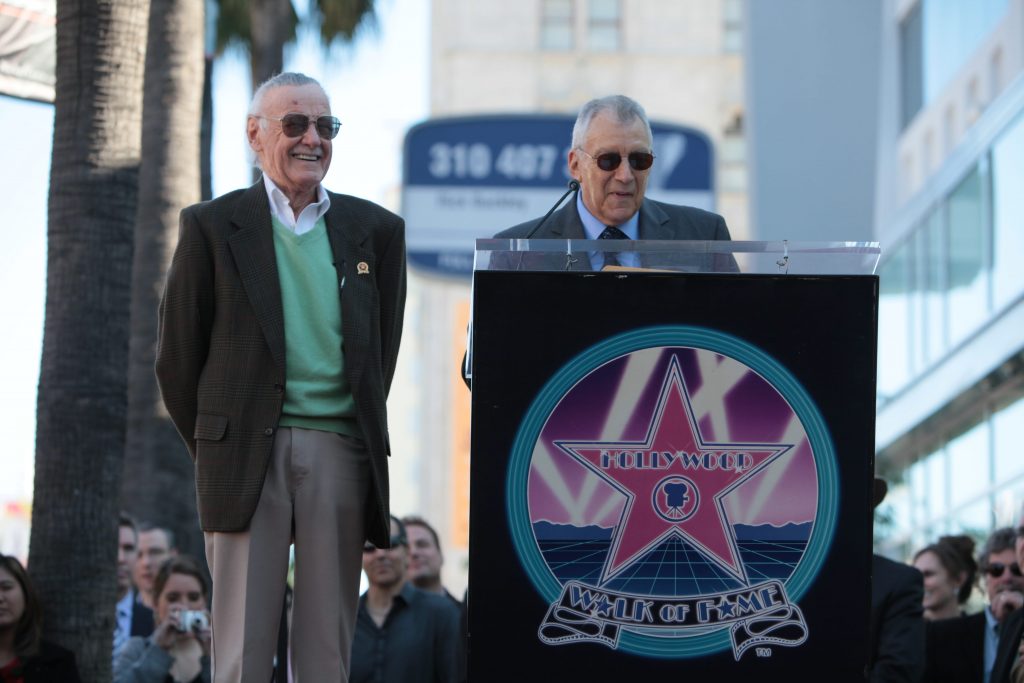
pixel 968 287
pixel 1008 215
pixel 972 484
pixel 995 74
pixel 936 38
pixel 732 29
pixel 951 32
pixel 969 466
pixel 1007 436
pixel 556 25
pixel 932 276
pixel 894 321
pixel 604 20
pixel 911 68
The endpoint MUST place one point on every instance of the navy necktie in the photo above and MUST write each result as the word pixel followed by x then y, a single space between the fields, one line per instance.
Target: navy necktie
pixel 611 258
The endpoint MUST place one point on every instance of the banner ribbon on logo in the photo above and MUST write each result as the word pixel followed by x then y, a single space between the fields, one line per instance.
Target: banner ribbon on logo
pixel 757 615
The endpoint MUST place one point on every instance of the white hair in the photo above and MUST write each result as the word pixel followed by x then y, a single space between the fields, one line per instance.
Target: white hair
pixel 625 109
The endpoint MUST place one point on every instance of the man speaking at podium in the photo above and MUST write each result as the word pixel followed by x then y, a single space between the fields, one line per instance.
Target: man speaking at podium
pixel 610 161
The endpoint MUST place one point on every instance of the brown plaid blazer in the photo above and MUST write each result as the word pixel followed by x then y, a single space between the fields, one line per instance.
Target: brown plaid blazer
pixel 220 359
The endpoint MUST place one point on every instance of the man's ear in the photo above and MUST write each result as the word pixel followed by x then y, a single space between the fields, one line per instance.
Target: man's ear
pixel 574 164
pixel 252 129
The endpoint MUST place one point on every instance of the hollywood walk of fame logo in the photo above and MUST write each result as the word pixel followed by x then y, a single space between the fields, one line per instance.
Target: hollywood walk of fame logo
pixel 673 445
pixel 665 498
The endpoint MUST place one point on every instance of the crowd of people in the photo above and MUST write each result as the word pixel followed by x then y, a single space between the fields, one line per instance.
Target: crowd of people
pixel 923 631
pixel 409 627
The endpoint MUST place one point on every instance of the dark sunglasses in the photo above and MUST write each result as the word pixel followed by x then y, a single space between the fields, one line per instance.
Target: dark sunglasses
pixel 395 542
pixel 996 569
pixel 296 125
pixel 609 161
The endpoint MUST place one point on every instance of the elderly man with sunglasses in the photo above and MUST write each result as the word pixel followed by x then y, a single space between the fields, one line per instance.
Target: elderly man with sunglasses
pixel 611 157
pixel 279 332
pixel 963 649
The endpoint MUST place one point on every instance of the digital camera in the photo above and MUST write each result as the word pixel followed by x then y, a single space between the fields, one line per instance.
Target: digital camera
pixel 194 620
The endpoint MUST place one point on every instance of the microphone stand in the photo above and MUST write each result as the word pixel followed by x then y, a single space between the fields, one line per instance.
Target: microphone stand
pixel 574 186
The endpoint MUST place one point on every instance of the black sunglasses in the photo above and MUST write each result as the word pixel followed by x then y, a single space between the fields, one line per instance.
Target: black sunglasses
pixel 609 161
pixel 296 125
pixel 996 569
pixel 396 541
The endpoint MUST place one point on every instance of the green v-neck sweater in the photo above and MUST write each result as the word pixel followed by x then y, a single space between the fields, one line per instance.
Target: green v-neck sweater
pixel 317 394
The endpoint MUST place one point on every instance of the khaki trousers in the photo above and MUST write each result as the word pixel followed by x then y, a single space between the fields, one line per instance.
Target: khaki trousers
pixel 315 492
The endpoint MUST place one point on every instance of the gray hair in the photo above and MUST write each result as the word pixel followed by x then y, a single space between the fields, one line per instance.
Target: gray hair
pixel 280 80
pixel 625 110
pixel 998 541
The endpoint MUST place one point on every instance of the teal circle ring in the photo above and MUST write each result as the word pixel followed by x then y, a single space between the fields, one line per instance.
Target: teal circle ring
pixel 521 456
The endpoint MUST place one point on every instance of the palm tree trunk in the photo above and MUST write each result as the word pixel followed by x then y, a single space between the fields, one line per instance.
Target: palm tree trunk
pixel 272 25
pixel 206 133
pixel 158 480
pixel 83 375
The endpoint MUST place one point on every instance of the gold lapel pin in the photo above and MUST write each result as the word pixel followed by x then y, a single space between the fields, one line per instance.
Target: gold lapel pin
pixel 362 268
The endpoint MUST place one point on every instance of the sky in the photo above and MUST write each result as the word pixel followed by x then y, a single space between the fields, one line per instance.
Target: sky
pixel 378 88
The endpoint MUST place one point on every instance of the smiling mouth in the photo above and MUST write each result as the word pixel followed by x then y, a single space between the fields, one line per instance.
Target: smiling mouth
pixel 306 157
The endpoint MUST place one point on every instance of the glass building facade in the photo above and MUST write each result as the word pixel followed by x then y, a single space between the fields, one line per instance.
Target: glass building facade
pixel 952 303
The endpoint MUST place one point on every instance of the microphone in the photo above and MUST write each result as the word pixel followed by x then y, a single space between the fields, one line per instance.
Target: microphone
pixel 574 185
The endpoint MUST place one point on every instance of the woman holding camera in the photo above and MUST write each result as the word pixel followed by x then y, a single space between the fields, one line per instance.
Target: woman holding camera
pixel 178 651
pixel 24 656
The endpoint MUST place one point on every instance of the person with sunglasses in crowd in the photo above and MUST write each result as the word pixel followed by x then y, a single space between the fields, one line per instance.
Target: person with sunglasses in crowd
pixel 278 337
pixel 963 649
pixel 24 656
pixel 610 161
pixel 403 634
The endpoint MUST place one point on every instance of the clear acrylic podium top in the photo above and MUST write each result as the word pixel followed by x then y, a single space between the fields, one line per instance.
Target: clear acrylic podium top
pixel 673 256
pixel 685 256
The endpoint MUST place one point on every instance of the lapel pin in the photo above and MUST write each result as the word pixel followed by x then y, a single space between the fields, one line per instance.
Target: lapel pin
pixel 362 268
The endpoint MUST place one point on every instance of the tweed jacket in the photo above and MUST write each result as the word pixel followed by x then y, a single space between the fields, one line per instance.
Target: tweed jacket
pixel 220 360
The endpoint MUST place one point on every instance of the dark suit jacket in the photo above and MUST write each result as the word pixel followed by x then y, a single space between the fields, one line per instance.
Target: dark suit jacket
pixel 1010 634
pixel 955 650
pixel 897 624
pixel 658 221
pixel 52 663
pixel 142 618
pixel 221 350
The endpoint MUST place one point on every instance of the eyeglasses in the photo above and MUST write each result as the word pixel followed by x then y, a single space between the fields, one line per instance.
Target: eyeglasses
pixel 996 569
pixel 296 125
pixel 396 541
pixel 609 161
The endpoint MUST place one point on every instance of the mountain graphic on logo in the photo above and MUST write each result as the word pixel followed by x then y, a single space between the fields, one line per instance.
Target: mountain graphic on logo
pixel 770 532
pixel 546 531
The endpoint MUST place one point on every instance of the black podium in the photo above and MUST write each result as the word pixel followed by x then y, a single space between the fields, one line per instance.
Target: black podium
pixel 671 464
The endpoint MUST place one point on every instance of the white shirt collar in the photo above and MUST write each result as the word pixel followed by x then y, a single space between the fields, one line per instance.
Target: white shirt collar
pixel 282 211
pixel 124 605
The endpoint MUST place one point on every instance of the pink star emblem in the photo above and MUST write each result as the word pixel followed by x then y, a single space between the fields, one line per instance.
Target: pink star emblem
pixel 674 482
